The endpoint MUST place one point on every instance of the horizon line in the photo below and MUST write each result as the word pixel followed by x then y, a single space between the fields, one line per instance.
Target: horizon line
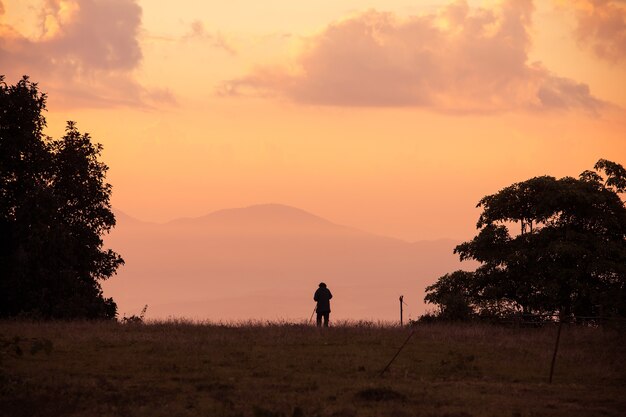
pixel 116 210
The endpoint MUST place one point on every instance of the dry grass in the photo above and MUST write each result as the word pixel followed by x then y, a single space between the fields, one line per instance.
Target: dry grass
pixel 282 369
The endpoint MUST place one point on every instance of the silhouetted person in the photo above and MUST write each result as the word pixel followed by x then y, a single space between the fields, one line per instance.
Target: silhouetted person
pixel 322 296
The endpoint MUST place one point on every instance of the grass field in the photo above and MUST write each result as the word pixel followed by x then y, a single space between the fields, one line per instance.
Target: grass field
pixel 266 370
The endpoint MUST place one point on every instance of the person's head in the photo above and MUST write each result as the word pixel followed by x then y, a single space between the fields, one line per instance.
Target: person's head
pixel 322 285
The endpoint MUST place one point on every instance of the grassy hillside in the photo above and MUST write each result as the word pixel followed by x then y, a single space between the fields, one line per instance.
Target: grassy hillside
pixel 182 369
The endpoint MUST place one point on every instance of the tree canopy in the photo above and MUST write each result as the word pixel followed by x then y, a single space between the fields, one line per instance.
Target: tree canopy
pixel 54 210
pixel 568 258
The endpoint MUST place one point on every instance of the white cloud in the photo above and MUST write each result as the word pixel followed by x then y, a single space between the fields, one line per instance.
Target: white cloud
pixel 85 55
pixel 457 60
pixel 601 25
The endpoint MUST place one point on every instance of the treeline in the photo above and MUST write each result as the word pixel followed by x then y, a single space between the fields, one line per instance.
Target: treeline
pixel 548 248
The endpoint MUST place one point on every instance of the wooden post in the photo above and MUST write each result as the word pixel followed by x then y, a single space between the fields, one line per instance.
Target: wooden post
pixel 556 348
pixel 401 301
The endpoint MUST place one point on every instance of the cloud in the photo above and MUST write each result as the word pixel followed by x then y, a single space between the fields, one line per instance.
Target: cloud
pixel 217 40
pixel 98 34
pixel 85 53
pixel 601 25
pixel 457 60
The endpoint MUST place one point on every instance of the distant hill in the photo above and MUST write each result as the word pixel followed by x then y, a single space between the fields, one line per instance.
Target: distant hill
pixel 264 262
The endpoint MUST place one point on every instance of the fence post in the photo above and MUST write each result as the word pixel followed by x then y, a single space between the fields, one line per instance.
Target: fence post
pixel 556 348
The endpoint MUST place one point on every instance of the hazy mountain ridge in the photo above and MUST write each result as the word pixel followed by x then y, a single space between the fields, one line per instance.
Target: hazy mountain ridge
pixel 263 217
pixel 231 263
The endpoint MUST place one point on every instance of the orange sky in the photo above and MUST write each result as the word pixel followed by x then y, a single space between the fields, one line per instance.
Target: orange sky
pixel 391 116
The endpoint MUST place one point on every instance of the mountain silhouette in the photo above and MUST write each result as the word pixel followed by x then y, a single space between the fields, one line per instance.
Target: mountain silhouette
pixel 264 262
pixel 258 216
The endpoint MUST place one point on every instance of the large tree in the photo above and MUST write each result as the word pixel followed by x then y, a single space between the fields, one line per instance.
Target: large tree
pixel 54 210
pixel 546 246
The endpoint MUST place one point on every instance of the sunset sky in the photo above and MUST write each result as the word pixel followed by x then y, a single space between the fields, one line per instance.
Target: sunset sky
pixel 390 116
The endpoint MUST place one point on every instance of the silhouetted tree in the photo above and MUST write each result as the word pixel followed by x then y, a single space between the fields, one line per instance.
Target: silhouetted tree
pixel 452 295
pixel 54 209
pixel 568 258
